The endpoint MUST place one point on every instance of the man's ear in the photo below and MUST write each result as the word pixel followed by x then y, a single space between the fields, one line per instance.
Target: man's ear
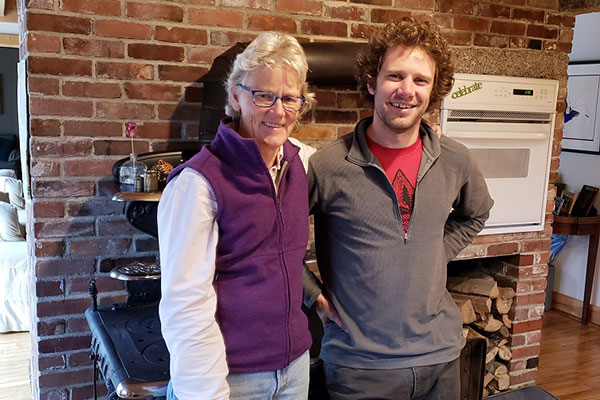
pixel 370 89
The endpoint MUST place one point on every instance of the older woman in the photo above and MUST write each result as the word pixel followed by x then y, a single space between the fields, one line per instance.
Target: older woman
pixel 233 229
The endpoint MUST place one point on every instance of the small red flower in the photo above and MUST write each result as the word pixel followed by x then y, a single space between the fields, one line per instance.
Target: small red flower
pixel 130 128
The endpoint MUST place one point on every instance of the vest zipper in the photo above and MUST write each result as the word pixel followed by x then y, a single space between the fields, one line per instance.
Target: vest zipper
pixel 283 264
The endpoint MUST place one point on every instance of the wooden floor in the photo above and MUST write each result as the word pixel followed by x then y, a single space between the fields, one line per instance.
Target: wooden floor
pixel 15 351
pixel 569 365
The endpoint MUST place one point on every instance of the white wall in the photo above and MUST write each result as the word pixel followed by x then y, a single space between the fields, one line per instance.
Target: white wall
pixel 577 170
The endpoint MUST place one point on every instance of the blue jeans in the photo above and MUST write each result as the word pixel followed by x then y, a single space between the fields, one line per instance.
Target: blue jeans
pixel 432 382
pixel 290 383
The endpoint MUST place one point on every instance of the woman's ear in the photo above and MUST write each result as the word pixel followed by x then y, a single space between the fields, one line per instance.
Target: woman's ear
pixel 234 99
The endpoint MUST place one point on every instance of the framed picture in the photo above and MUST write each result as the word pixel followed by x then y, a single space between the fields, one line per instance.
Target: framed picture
pixel 568 202
pixel 581 132
pixel 558 202
pixel 585 199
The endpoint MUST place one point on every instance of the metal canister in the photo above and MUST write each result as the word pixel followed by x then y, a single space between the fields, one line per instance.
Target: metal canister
pixel 151 181
pixel 139 184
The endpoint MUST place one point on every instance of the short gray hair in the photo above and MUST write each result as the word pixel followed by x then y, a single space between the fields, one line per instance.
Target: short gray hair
pixel 271 49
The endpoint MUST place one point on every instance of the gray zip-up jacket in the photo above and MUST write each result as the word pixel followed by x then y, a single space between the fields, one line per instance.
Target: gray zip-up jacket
pixel 390 288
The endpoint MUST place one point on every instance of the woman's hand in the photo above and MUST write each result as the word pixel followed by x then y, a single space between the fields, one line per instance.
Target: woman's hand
pixel 327 312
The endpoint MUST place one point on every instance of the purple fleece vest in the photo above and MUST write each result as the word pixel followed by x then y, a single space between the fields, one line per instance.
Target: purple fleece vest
pixel 262 241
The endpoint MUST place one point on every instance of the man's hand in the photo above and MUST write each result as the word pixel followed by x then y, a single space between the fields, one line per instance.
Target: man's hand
pixel 327 312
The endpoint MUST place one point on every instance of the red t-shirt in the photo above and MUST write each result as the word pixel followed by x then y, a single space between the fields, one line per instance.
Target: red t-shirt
pixel 401 167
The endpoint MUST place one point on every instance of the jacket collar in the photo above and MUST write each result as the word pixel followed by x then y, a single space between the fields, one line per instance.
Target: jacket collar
pixel 360 154
pixel 228 143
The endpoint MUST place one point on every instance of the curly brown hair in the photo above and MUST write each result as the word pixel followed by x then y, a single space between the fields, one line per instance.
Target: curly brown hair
pixel 407 32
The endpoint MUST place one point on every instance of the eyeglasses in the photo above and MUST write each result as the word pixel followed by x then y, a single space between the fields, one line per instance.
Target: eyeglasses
pixel 265 99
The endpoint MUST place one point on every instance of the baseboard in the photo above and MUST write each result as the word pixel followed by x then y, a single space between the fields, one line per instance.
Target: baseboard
pixel 574 307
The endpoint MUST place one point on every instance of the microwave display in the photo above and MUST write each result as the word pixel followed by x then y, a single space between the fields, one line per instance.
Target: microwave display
pixel 523 92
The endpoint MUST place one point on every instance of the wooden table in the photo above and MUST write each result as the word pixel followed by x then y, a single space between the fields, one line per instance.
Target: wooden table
pixel 582 226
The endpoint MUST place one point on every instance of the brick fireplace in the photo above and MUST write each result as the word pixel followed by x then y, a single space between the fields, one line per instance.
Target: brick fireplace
pixel 93 65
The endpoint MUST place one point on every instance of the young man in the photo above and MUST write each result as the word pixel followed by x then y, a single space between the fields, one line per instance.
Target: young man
pixel 393 203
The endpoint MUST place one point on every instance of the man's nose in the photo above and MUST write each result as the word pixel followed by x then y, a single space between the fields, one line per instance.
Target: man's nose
pixel 406 87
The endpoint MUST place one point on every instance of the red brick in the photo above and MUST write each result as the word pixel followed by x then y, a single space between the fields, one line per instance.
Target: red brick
pixel 521 259
pixel 119 147
pixel 51 363
pixel 43 85
pixel 325 28
pixel 79 359
pixel 58 23
pixel 155 52
pixel 528 15
pixel 373 2
pixel 99 247
pixel 48 209
pixel 162 130
pixel 104 284
pixel 173 145
pixel 541 31
pixel 48 288
pixel 362 31
pixel 523 300
pixel 155 11
pixel 254 4
pixel 221 38
pixel 81 147
pixel 88 167
pixel 415 4
pixel 472 24
pixel 300 6
pixel 527 326
pixel 102 7
pixel 180 74
pixel 43 43
pixel 534 337
pixel 60 66
pixel 122 110
pixel 335 117
pixel 384 16
pixel 458 38
pixel 455 6
pixel 535 245
pixel 147 91
pixel 94 48
pixel 45 168
pixel 179 112
pixel 122 29
pixel 124 71
pixel 350 100
pixel 44 127
pixel 51 328
pixel 517 365
pixel 205 54
pixel 549 4
pixel 525 352
pixel 92 89
pixel 92 128
pixel 75 108
pixel 561 20
pixel 69 378
pixel 316 132
pixel 523 378
pixel 232 19
pixel 49 248
pixel 270 22
pixel 504 248
pixel 76 325
pixel 61 189
pixel 65 307
pixel 517 340
pixel 347 13
pixel 508 28
pixel 493 11
pixel 181 35
pixel 71 266
pixel 86 392
pixel 102 206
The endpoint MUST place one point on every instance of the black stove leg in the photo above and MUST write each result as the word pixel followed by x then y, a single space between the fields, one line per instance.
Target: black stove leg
pixel 94 359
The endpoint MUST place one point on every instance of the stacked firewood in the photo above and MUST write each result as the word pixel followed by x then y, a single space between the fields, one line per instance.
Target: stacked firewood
pixel 484 308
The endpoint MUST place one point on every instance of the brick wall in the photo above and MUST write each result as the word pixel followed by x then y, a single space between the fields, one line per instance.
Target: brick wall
pixel 95 64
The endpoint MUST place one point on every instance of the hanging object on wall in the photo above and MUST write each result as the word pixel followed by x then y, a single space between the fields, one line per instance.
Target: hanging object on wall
pixel 2 6
pixel 581 131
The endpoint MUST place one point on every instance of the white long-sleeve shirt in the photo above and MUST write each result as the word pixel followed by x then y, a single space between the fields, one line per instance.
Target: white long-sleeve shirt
pixel 188 236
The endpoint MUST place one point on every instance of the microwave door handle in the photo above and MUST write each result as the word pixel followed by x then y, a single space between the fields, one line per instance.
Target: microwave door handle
pixel 498 135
